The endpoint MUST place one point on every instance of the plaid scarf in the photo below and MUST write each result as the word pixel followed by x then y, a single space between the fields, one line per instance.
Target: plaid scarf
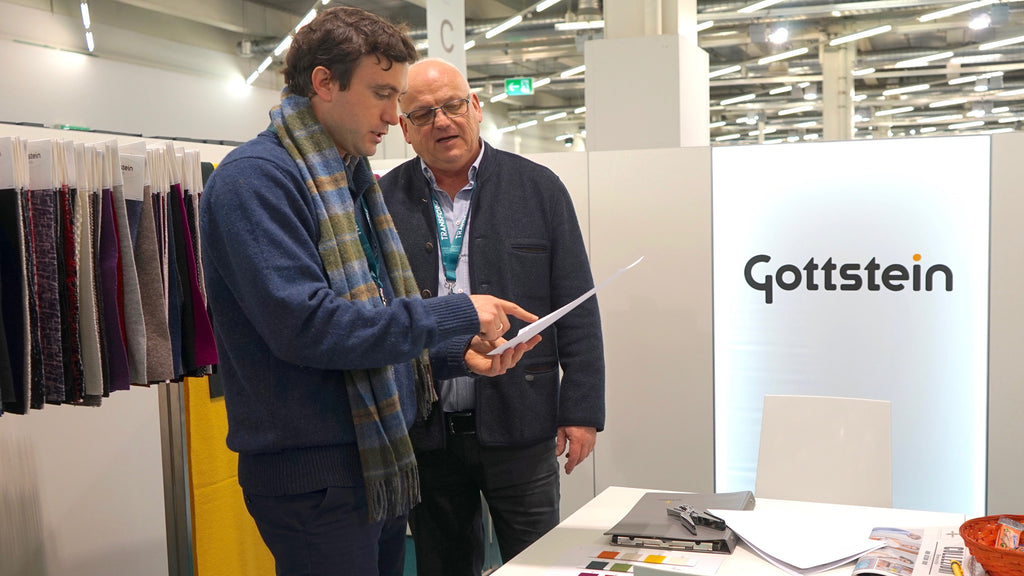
pixel 385 451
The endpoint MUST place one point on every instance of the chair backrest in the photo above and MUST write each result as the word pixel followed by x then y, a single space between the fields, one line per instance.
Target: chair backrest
pixel 825 449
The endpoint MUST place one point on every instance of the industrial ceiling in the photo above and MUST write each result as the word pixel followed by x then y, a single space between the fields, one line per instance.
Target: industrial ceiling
pixel 923 67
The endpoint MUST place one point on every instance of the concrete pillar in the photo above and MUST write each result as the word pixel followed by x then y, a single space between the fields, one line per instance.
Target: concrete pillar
pixel 647 80
pixel 837 91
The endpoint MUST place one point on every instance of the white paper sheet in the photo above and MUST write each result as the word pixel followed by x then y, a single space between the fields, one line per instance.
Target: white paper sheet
pixel 531 330
pixel 808 538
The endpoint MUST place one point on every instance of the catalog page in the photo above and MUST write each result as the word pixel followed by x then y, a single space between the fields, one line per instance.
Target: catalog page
pixel 914 552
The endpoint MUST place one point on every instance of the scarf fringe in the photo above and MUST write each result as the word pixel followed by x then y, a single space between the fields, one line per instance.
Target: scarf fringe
pixel 393 496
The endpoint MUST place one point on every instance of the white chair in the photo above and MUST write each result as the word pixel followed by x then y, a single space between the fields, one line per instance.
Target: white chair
pixel 824 449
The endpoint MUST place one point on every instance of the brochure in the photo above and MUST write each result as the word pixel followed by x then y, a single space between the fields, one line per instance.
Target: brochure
pixel 915 552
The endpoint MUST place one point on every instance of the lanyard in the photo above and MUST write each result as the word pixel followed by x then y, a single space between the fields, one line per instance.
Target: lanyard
pixel 371 257
pixel 451 247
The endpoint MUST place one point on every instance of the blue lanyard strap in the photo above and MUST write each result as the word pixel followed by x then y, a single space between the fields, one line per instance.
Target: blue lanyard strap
pixel 451 247
pixel 371 256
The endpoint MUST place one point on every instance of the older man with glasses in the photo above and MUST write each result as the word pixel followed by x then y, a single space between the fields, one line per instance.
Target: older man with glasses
pixel 477 220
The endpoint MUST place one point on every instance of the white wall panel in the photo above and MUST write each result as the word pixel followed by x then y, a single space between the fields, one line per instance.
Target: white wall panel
pixel 1006 327
pixel 656 317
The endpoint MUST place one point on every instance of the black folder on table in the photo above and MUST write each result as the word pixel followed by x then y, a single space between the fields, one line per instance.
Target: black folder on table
pixel 648 524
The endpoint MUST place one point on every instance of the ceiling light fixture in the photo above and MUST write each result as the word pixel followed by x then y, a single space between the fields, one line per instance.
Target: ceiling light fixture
pixel 705 25
pixel 1016 92
pixel 469 45
pixel 758 6
pixel 718 124
pixel 498 97
pixel 283 45
pixel 574 71
pixel 891 111
pixel 944 103
pixel 783 55
pixel 503 26
pixel 542 82
pixel 780 90
pixel 923 60
pixel 1001 43
pixel 546 4
pixel 733 136
pixel 737 99
pixel 859 35
pixel 86 21
pixel 305 20
pixel 796 110
pixel 905 89
pixel 962 125
pixel 724 71
pixel 940 118
pixel 557 116
pixel 87 24
pixel 526 124
pixel 980 22
pixel 955 10
pixel 962 80
pixel 506 129
pixel 863 72
pixel 580 110
pixel 779 35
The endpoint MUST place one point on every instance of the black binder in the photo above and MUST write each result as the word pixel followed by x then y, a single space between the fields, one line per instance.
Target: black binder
pixel 648 525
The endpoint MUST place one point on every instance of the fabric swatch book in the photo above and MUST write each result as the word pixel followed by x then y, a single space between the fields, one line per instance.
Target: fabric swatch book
pixel 648 524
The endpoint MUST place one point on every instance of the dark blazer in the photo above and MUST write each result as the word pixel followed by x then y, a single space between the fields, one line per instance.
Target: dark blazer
pixel 525 246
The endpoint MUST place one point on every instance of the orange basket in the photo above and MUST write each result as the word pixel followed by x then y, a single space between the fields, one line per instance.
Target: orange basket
pixel 979 535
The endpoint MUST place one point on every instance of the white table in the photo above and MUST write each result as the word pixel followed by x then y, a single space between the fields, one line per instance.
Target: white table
pixel 586 527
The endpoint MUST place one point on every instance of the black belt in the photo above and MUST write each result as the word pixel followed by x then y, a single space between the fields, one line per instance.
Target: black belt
pixel 460 422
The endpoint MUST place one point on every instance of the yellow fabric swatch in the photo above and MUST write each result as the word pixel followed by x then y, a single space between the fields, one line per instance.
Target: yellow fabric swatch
pixel 224 536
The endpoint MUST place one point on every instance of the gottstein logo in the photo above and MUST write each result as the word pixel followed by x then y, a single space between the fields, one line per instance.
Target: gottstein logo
pixel 850 276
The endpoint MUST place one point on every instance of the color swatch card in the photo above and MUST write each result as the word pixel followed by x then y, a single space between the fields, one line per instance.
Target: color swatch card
pixel 618 560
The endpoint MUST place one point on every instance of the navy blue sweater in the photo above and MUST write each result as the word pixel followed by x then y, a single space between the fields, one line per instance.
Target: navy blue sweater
pixel 284 338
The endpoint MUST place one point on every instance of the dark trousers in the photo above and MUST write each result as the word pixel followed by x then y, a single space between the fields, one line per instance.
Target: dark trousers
pixel 520 486
pixel 328 532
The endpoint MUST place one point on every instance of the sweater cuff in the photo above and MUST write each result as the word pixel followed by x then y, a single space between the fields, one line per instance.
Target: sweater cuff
pixel 455 315
pixel 449 359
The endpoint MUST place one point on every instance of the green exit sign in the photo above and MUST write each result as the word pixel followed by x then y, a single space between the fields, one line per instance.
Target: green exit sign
pixel 519 86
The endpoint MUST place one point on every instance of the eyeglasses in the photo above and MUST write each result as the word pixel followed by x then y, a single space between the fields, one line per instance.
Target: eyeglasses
pixel 452 109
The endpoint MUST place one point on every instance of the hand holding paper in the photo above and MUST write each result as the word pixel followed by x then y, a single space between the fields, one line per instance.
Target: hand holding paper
pixel 481 363
pixel 537 327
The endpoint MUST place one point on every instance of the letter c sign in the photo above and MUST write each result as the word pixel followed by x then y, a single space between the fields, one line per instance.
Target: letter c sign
pixel 448 47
